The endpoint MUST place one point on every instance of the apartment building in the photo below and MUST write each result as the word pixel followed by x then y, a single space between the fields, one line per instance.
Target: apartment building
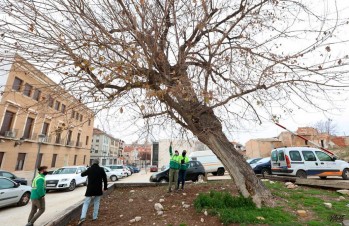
pixel 107 149
pixel 31 104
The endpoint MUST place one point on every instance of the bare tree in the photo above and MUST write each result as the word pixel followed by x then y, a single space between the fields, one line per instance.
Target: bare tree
pixel 205 65
pixel 326 126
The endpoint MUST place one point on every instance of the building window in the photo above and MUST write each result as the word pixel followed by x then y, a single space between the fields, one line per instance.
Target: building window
pixel 27 90
pixel 96 151
pixel 87 138
pixel 69 137
pixel 17 84
pixel 1 157
pixel 50 101
pixel 28 128
pixel 37 94
pixel 75 157
pixel 97 140
pixel 45 128
pixel 7 123
pixel 54 158
pixel 72 114
pixel 81 118
pixel 40 159
pixel 89 122
pixel 58 135
pixel 77 116
pixel 82 163
pixel 306 142
pixel 63 108
pixel 20 161
pixel 57 105
pixel 78 140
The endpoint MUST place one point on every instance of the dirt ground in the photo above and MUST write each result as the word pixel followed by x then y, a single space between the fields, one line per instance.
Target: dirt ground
pixel 116 208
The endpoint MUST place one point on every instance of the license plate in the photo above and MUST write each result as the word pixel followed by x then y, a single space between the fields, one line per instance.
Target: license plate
pixel 50 185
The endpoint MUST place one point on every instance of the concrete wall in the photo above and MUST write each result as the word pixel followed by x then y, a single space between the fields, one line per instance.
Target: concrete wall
pixel 260 148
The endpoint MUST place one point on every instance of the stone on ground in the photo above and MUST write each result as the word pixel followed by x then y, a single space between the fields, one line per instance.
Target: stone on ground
pixel 161 200
pixel 138 218
pixel 341 198
pixel 205 213
pixel 328 205
pixel 132 191
pixel 186 206
pixel 302 213
pixel 264 180
pixel 158 207
pixel 288 183
pixel 291 186
pixel 133 220
pixel 202 220
pixel 343 192
pixel 261 218
pixel 130 200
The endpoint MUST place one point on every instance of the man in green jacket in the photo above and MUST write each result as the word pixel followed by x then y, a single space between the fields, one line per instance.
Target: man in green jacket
pixel 183 169
pixel 38 196
pixel 174 167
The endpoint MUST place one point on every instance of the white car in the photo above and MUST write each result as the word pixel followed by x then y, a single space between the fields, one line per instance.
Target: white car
pixel 66 178
pixel 306 161
pixel 119 168
pixel 113 175
pixel 13 193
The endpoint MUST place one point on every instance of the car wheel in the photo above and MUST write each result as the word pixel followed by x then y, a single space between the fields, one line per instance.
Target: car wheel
pixel 323 178
pixel 200 177
pixel 220 172
pixel 163 180
pixel 214 173
pixel 301 174
pixel 265 172
pixel 72 185
pixel 345 174
pixel 113 178
pixel 24 199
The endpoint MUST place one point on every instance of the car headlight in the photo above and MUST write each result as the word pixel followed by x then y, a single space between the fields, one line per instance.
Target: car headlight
pixel 65 179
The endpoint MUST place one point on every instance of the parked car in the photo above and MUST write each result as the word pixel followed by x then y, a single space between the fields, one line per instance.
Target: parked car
pixel 13 177
pixel 153 169
pixel 253 160
pixel 210 161
pixel 130 169
pixel 136 169
pixel 66 178
pixel 119 168
pixel 113 175
pixel 13 193
pixel 307 161
pixel 263 166
pixel 195 172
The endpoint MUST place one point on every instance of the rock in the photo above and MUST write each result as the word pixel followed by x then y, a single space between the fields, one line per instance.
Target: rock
pixel 264 180
pixel 160 212
pixel 343 192
pixel 183 203
pixel 328 205
pixel 271 182
pixel 291 186
pixel 196 194
pixel 132 191
pixel 341 198
pixel 158 207
pixel 138 218
pixel 260 218
pixel 133 220
pixel 186 206
pixel 302 213
pixel 288 183
pixel 184 193
pixel 130 200
pixel 345 223
pixel 347 205
pixel 202 220
pixel 174 206
pixel 161 200
pixel 121 215
pixel 205 213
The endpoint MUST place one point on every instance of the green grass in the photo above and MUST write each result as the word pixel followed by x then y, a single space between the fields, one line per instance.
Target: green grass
pixel 237 209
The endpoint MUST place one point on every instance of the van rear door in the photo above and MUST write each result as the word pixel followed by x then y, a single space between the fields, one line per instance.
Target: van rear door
pixel 278 162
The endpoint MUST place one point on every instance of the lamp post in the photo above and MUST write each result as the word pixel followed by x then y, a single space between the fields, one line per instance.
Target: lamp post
pixel 40 141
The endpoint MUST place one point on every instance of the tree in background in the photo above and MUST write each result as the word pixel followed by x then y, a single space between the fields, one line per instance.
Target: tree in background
pixel 206 66
pixel 326 126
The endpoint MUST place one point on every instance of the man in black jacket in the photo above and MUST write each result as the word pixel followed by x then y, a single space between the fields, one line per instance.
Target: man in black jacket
pixel 95 176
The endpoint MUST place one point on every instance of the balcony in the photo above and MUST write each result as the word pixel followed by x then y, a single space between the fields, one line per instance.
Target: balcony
pixel 70 143
pixel 11 133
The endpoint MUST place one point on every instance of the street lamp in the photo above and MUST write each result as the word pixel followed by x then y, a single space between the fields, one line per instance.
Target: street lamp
pixel 40 141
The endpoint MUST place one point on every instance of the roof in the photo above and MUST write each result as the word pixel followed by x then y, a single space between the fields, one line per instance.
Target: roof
pixel 339 141
pixel 267 139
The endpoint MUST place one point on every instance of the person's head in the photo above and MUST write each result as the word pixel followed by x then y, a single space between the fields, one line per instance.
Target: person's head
pixel 176 152
pixel 95 162
pixel 42 170
pixel 184 152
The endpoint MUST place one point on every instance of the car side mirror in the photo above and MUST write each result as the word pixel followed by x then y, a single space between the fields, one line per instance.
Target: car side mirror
pixel 17 185
pixel 334 158
pixel 79 171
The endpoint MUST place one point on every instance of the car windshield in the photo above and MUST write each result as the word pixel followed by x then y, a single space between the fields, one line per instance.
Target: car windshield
pixel 166 168
pixel 263 160
pixel 65 171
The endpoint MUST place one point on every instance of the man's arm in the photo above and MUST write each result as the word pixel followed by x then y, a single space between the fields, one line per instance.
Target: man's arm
pixel 104 177
pixel 170 149
pixel 85 173
pixel 40 187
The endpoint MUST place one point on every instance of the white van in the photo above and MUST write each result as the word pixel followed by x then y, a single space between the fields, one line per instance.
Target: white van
pixel 307 161
pixel 210 162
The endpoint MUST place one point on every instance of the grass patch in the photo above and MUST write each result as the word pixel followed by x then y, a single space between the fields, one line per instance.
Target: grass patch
pixel 237 209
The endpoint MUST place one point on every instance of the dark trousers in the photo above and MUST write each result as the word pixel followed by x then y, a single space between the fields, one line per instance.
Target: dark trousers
pixel 34 213
pixel 181 177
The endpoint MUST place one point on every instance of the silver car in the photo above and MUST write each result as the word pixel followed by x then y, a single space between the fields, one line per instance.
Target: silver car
pixel 13 193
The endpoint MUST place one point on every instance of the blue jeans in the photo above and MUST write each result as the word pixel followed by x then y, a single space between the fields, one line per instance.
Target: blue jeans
pixel 181 177
pixel 87 201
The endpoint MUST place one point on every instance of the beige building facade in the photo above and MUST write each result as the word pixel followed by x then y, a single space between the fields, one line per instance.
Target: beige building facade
pixel 32 104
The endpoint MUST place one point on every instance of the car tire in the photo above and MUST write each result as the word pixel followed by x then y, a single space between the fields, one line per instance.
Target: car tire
pixel 163 180
pixel 214 173
pixel 265 172
pixel 301 174
pixel 323 178
pixel 220 172
pixel 72 185
pixel 345 174
pixel 113 178
pixel 24 199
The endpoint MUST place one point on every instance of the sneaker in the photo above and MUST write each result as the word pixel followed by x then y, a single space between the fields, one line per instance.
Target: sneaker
pixel 95 219
pixel 81 221
pixel 29 224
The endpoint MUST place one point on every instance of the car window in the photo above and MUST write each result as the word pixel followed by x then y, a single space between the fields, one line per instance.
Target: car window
pixel 264 160
pixel 295 156
pixel 65 171
pixel 281 155
pixel 8 175
pixel 308 156
pixel 274 155
pixel 254 161
pixel 191 164
pixel 323 156
pixel 105 169
pixel 6 184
